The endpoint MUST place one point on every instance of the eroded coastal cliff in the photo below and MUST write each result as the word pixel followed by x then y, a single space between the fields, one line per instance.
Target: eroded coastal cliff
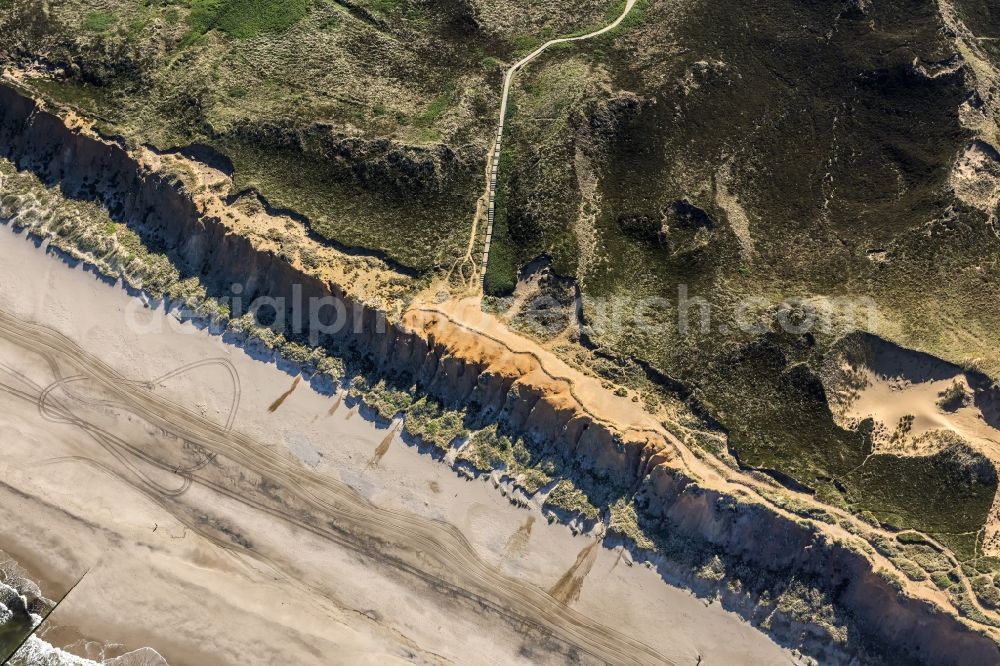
pixel 465 364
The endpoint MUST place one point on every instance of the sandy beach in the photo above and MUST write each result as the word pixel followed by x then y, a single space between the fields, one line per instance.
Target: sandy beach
pixel 221 511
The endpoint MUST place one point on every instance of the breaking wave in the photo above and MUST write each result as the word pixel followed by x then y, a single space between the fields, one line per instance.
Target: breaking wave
pixel 22 607
pixel 36 652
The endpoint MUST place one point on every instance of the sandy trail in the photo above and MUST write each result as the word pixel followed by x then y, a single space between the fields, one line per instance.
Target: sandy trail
pixel 492 165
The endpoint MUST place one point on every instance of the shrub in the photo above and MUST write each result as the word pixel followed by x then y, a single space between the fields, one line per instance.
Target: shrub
pixel 954 397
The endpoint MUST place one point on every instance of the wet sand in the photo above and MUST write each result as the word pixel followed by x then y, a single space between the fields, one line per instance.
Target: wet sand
pixel 153 582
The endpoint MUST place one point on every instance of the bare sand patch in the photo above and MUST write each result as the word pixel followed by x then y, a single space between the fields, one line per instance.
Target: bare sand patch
pixel 976 177
pixel 906 394
pixel 919 405
pixel 736 214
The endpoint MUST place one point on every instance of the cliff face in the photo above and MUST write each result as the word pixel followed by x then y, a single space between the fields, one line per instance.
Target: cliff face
pixel 463 367
pixel 753 534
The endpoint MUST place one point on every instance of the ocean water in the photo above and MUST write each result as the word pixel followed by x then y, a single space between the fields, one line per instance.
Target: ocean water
pixel 22 606
pixel 36 652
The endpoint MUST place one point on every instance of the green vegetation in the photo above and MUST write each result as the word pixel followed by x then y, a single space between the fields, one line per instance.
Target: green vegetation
pixel 911 538
pixel 434 110
pixel 580 491
pixel 567 497
pixel 99 21
pixel 911 569
pixel 430 234
pixel 433 424
pixel 948 494
pixel 943 581
pixel 489 63
pixel 488 449
pixel 625 521
pixel 248 18
pixel 425 417
pixel 986 590
pixel 387 401
pixel 524 44
pixel 501 272
pixel 954 397
pixel 636 17
pixel 262 81
pixel 538 198
pixel 84 231
pixel 804 603
pixel 383 6
pixel 245 18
